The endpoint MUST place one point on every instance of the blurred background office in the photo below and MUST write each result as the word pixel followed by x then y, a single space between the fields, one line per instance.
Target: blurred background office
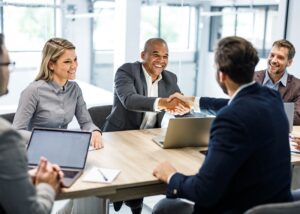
pixel 108 33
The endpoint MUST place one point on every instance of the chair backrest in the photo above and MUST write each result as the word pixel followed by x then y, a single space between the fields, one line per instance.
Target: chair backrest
pixel 276 208
pixel 99 114
pixel 9 117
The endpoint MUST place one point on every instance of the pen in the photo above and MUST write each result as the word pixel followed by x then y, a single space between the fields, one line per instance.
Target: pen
pixel 104 177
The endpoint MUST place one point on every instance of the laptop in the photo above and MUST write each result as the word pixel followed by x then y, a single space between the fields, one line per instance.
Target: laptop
pixel 186 132
pixel 66 148
pixel 289 109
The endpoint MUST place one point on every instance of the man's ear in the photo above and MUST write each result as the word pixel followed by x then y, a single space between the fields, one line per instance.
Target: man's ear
pixel 289 62
pixel 143 55
pixel 222 76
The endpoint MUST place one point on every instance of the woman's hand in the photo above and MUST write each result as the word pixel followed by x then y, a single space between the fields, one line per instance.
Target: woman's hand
pixel 96 140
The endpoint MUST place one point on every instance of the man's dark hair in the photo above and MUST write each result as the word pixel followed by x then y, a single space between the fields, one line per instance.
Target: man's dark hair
pixel 149 42
pixel 286 44
pixel 237 58
pixel 1 42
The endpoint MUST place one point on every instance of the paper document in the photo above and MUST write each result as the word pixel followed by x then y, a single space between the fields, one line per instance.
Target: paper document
pixel 101 175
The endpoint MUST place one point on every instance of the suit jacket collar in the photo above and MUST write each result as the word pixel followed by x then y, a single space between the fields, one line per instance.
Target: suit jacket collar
pixel 143 78
pixel 247 90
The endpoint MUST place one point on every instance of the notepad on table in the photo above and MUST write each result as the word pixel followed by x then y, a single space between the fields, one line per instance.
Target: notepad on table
pixel 101 175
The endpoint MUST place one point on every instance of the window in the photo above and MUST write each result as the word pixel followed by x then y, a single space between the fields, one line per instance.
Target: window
pixel 102 32
pixel 27 25
pixel 255 24
pixel 175 24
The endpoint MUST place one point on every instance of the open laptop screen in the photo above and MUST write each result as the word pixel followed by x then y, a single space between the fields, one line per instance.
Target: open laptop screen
pixel 63 147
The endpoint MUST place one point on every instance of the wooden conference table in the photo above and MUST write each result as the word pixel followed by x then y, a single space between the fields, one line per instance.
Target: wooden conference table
pixel 135 155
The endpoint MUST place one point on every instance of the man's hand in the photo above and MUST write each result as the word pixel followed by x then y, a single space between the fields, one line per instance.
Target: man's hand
pixel 163 171
pixel 187 100
pixel 50 174
pixel 96 140
pixel 296 140
pixel 173 106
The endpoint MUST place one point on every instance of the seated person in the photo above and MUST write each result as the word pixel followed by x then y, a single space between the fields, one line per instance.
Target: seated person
pixel 52 100
pixel 21 192
pixel 248 160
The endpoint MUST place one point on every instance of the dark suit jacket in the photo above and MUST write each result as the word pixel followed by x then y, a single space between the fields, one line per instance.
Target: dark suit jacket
pixel 130 97
pixel 290 93
pixel 248 159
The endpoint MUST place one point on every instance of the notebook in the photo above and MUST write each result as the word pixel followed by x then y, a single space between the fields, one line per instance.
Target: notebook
pixel 289 109
pixel 186 132
pixel 66 148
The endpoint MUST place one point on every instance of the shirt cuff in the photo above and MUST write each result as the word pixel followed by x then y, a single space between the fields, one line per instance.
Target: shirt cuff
pixel 170 176
pixel 155 105
pixel 196 105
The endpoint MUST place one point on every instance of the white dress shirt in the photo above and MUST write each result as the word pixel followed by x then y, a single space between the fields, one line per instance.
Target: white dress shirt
pixel 152 91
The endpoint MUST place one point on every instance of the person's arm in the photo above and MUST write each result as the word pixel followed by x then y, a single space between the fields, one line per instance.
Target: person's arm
pixel 210 105
pixel 27 106
pixel 85 121
pixel 222 161
pixel 127 93
pixel 18 194
pixel 205 104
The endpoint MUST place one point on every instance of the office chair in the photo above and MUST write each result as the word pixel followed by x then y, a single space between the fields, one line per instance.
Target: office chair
pixel 279 208
pixel 99 114
pixel 9 117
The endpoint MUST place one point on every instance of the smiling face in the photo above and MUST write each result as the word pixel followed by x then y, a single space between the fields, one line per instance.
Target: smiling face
pixel 64 68
pixel 278 62
pixel 155 58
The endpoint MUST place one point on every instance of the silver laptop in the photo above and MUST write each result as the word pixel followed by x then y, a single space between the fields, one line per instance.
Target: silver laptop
pixel 289 109
pixel 186 132
pixel 68 149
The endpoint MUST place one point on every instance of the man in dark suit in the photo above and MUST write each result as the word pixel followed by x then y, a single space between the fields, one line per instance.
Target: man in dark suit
pixel 140 96
pixel 248 159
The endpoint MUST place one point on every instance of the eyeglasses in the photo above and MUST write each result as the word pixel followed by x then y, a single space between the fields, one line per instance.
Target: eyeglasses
pixel 10 65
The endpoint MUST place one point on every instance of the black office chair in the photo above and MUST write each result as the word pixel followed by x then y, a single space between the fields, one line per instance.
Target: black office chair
pixel 279 208
pixel 9 117
pixel 99 114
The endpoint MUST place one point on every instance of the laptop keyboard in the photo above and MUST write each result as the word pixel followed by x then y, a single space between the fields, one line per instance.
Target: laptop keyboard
pixel 69 174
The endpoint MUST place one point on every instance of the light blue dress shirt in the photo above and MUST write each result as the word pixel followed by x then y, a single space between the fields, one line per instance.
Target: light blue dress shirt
pixel 269 83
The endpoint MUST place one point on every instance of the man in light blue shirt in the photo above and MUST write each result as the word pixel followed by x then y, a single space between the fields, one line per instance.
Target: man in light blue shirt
pixel 276 75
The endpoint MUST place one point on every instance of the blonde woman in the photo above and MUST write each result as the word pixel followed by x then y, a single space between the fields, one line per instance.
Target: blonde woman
pixel 53 99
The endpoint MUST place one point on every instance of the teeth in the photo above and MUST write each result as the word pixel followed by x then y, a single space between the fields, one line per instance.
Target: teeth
pixel 159 66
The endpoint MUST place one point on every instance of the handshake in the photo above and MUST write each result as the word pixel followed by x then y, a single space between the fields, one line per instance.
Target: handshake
pixel 176 104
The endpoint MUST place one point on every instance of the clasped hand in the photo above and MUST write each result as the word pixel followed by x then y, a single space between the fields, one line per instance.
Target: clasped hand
pixel 176 104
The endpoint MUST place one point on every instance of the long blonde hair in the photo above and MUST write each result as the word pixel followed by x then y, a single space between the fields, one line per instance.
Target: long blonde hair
pixel 52 50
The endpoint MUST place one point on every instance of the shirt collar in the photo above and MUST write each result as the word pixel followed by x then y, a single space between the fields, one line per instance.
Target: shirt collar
pixel 239 89
pixel 57 88
pixel 149 78
pixel 283 79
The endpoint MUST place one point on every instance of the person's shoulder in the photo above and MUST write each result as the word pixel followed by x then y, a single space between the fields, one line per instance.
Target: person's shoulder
pixel 73 86
pixel 130 66
pixel 293 78
pixel 166 73
pixel 6 129
pixel 35 85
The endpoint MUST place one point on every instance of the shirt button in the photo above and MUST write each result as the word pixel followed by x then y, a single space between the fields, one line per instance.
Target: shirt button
pixel 175 191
